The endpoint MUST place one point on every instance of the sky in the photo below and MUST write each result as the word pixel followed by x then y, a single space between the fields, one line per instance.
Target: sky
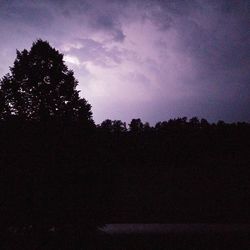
pixel 148 59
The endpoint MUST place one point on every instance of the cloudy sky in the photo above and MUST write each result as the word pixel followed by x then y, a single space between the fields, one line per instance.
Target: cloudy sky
pixel 153 60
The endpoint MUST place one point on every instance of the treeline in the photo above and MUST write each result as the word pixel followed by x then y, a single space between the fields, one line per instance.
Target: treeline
pixel 137 126
pixel 176 171
pixel 181 171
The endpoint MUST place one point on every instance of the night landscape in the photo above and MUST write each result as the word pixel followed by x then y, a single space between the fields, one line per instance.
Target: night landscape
pixel 124 124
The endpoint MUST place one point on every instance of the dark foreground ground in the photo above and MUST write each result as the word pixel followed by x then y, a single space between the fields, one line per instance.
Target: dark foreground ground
pixel 52 174
pixel 182 241
pixel 177 239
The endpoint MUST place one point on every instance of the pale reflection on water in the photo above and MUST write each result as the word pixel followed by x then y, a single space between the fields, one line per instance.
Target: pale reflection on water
pixel 174 228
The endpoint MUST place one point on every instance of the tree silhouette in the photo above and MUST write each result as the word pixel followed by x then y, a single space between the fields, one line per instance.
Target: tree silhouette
pixel 136 125
pixel 40 87
pixel 119 126
pixel 204 123
pixel 107 125
pixel 4 110
pixel 194 122
pixel 115 126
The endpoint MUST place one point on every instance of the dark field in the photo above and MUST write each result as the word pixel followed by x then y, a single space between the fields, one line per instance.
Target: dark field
pixel 117 237
pixel 179 236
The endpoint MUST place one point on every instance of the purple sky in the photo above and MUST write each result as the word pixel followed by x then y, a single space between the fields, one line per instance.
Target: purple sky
pixel 153 60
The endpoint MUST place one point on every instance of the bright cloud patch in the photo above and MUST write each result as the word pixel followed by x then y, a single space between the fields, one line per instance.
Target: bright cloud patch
pixel 72 60
pixel 145 67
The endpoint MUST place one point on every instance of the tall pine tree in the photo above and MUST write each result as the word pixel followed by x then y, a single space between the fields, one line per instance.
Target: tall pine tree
pixel 40 87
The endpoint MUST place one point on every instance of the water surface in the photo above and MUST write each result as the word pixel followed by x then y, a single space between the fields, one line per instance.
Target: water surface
pixel 174 228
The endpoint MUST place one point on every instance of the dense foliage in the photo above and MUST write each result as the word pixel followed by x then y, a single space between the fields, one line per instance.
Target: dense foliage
pixel 40 87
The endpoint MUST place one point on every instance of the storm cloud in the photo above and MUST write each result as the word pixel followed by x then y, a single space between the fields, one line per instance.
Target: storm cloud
pixel 150 59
